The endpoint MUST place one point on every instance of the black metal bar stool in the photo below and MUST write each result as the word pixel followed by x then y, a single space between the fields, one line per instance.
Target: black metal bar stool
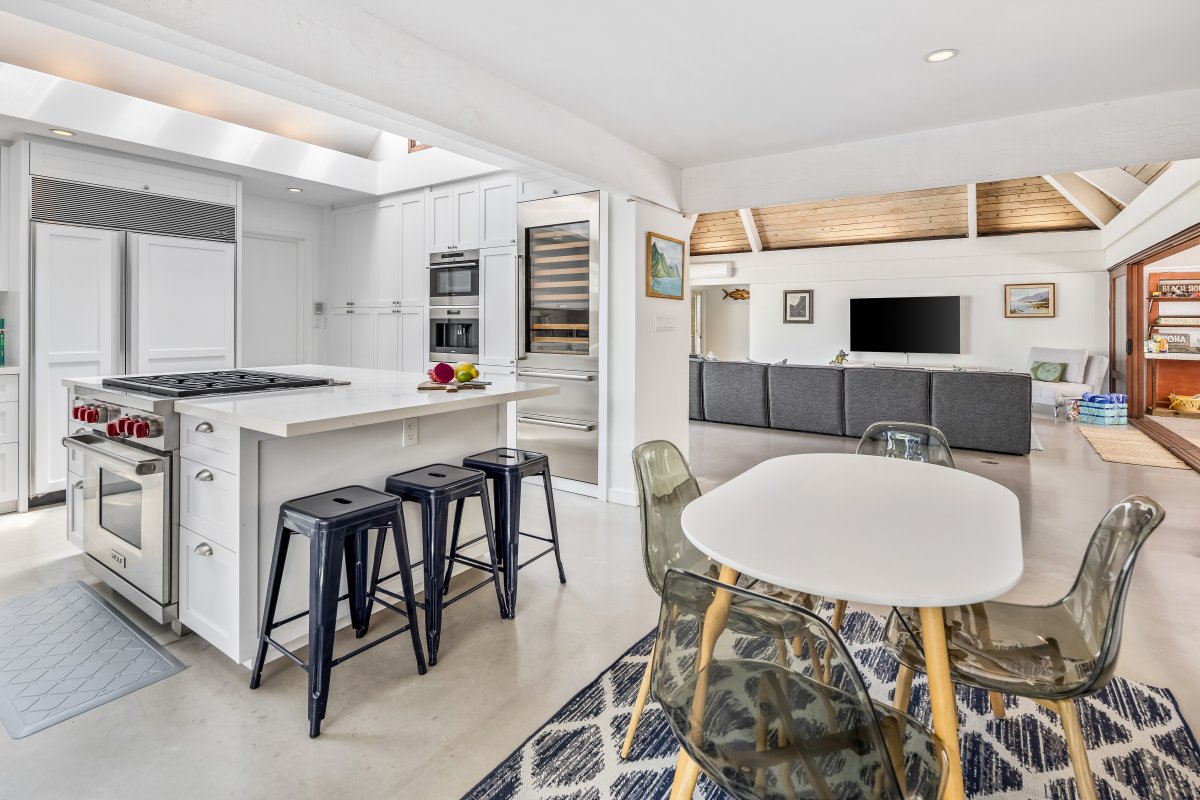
pixel 434 488
pixel 336 524
pixel 507 467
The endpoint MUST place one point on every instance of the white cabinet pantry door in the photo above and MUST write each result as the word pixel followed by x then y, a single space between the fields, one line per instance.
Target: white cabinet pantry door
pixel 341 256
pixel 271 297
pixel 466 215
pixel 76 332
pixel 386 330
pixel 365 248
pixel 498 284
pixel 183 299
pixel 362 338
pixel 414 344
pixel 439 219
pixel 414 255
pixel 498 206
pixel 335 344
pixel 386 264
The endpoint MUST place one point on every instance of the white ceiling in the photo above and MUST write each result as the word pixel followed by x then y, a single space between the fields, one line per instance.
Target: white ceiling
pixel 698 81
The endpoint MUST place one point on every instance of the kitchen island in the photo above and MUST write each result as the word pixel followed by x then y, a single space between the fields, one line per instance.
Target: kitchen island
pixel 241 456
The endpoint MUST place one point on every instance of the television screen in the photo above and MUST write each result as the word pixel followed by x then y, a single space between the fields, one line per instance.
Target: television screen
pixel 904 324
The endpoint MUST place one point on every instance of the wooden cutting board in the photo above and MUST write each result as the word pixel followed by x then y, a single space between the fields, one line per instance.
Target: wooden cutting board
pixel 430 386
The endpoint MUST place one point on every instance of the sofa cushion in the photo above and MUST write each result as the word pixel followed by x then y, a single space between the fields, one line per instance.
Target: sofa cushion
pixel 1048 371
pixel 695 388
pixel 983 410
pixel 735 392
pixel 806 398
pixel 1076 361
pixel 874 394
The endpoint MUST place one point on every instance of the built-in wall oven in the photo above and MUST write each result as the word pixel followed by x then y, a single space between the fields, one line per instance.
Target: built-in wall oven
pixel 559 314
pixel 454 278
pixel 454 333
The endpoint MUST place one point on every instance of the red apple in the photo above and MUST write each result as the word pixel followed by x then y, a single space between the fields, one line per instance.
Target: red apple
pixel 441 373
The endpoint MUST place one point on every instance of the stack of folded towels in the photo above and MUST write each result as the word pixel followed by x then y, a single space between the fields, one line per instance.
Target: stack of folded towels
pixel 1104 409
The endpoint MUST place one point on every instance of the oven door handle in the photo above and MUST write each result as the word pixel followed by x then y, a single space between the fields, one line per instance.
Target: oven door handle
pixel 99 446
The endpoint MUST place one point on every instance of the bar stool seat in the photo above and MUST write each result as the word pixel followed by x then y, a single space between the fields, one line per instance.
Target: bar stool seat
pixel 336 524
pixel 507 467
pixel 434 487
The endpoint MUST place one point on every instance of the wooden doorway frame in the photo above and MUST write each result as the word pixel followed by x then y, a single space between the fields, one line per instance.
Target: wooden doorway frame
pixel 1135 353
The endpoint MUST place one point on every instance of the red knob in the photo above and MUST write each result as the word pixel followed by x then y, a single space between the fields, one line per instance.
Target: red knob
pixel 75 412
pixel 123 425
pixel 141 429
pixel 91 415
pixel 113 428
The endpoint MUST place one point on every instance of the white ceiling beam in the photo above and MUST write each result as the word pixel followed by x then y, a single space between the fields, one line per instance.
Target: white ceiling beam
pixel 691 218
pixel 751 227
pixel 1087 198
pixel 1115 182
pixel 1150 129
pixel 972 211
pixel 342 59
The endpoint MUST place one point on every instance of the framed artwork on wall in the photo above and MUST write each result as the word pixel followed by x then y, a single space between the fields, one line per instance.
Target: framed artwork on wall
pixel 1029 300
pixel 798 306
pixel 664 266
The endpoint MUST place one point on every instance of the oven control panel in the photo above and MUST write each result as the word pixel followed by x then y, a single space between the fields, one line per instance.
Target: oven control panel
pixel 116 422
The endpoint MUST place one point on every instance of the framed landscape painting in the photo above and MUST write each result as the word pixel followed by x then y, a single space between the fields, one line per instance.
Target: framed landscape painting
pixel 798 305
pixel 1029 300
pixel 664 266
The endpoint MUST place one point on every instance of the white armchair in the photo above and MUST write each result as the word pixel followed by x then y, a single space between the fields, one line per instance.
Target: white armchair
pixel 1084 373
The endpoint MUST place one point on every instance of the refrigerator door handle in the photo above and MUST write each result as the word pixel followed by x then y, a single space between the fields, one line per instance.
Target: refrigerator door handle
pixel 553 422
pixel 521 354
pixel 556 376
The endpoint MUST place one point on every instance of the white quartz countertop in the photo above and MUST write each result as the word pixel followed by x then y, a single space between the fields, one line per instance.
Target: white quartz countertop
pixel 372 396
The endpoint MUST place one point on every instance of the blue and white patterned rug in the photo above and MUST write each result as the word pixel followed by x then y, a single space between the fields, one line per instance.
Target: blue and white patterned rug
pixel 1138 742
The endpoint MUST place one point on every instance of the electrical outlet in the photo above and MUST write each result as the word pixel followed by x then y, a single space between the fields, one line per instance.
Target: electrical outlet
pixel 411 431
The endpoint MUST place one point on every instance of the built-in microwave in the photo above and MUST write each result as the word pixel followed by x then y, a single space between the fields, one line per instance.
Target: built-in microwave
pixel 454 278
pixel 453 334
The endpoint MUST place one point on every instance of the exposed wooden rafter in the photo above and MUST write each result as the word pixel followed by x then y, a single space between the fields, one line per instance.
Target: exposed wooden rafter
pixel 1090 201
pixel 1115 182
pixel 747 216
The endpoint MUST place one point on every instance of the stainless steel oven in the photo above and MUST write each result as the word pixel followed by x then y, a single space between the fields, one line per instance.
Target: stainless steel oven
pixel 454 278
pixel 127 522
pixel 453 334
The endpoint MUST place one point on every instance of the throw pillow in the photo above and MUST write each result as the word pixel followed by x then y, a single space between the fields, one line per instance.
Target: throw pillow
pixel 1048 371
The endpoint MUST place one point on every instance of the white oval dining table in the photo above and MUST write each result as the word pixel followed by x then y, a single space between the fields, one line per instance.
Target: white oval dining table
pixel 865 529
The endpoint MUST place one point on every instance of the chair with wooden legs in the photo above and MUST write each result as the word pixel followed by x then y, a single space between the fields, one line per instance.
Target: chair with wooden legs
pixel 665 486
pixel 762 726
pixel 1051 654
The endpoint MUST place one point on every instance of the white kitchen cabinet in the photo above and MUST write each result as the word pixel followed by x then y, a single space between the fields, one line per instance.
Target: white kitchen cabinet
pixel 498 307
pixel 386 329
pixel 208 591
pixel 540 185
pixel 338 291
pixel 362 338
pixel 364 259
pixel 439 218
pixel 498 211
pixel 377 254
pixel 184 292
pixel 349 339
pixel 400 339
pixel 210 442
pixel 414 339
pixel 466 215
pixel 414 255
pixel 208 502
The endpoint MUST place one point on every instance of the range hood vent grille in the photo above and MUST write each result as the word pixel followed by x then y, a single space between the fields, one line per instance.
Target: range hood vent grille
pixel 73 203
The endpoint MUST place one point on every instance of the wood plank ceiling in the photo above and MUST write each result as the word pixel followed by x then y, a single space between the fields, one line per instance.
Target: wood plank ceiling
pixel 1021 205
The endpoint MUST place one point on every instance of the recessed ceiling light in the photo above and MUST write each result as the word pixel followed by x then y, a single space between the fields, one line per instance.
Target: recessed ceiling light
pixel 938 56
pixel 62 132
pixel 294 189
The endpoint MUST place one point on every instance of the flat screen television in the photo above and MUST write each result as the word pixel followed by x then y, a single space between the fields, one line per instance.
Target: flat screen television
pixel 904 324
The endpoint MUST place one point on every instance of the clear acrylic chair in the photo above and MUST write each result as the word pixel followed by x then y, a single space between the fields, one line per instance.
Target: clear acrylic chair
pixel 665 486
pixel 1053 653
pixel 911 441
pixel 763 725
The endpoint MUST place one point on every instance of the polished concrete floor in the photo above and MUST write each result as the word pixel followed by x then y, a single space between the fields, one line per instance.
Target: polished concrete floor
pixel 390 733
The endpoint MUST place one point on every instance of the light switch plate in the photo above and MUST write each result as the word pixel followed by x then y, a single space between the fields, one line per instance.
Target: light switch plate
pixel 664 324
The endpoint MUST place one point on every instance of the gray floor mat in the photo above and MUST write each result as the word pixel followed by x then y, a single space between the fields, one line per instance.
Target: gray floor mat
pixel 65 650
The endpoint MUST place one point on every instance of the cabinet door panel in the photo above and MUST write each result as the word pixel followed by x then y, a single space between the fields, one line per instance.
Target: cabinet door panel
pixel 365 248
pixel 362 339
pixel 414 347
pixel 388 245
pixel 387 338
pixel 335 344
pixel 208 591
pixel 498 336
pixel 439 216
pixel 466 215
pixel 414 254
pixel 341 256
pixel 498 206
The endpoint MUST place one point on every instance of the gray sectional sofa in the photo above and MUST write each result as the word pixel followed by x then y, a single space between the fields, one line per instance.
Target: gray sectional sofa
pixel 976 410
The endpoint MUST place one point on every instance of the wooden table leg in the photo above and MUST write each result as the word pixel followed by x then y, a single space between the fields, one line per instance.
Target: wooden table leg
pixel 941 695
pixel 687 772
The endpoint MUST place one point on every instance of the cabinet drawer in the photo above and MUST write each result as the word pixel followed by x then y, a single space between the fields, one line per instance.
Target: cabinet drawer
pixel 208 502
pixel 8 422
pixel 213 443
pixel 208 591
pixel 8 388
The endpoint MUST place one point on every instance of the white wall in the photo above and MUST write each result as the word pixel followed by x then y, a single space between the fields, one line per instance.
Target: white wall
pixel 648 371
pixel 725 323
pixel 975 269
pixel 276 218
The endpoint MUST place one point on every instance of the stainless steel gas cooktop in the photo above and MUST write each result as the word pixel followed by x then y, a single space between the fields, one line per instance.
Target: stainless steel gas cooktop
pixel 199 384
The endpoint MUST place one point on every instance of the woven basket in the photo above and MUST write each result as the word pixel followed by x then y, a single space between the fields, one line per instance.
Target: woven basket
pixel 1181 403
